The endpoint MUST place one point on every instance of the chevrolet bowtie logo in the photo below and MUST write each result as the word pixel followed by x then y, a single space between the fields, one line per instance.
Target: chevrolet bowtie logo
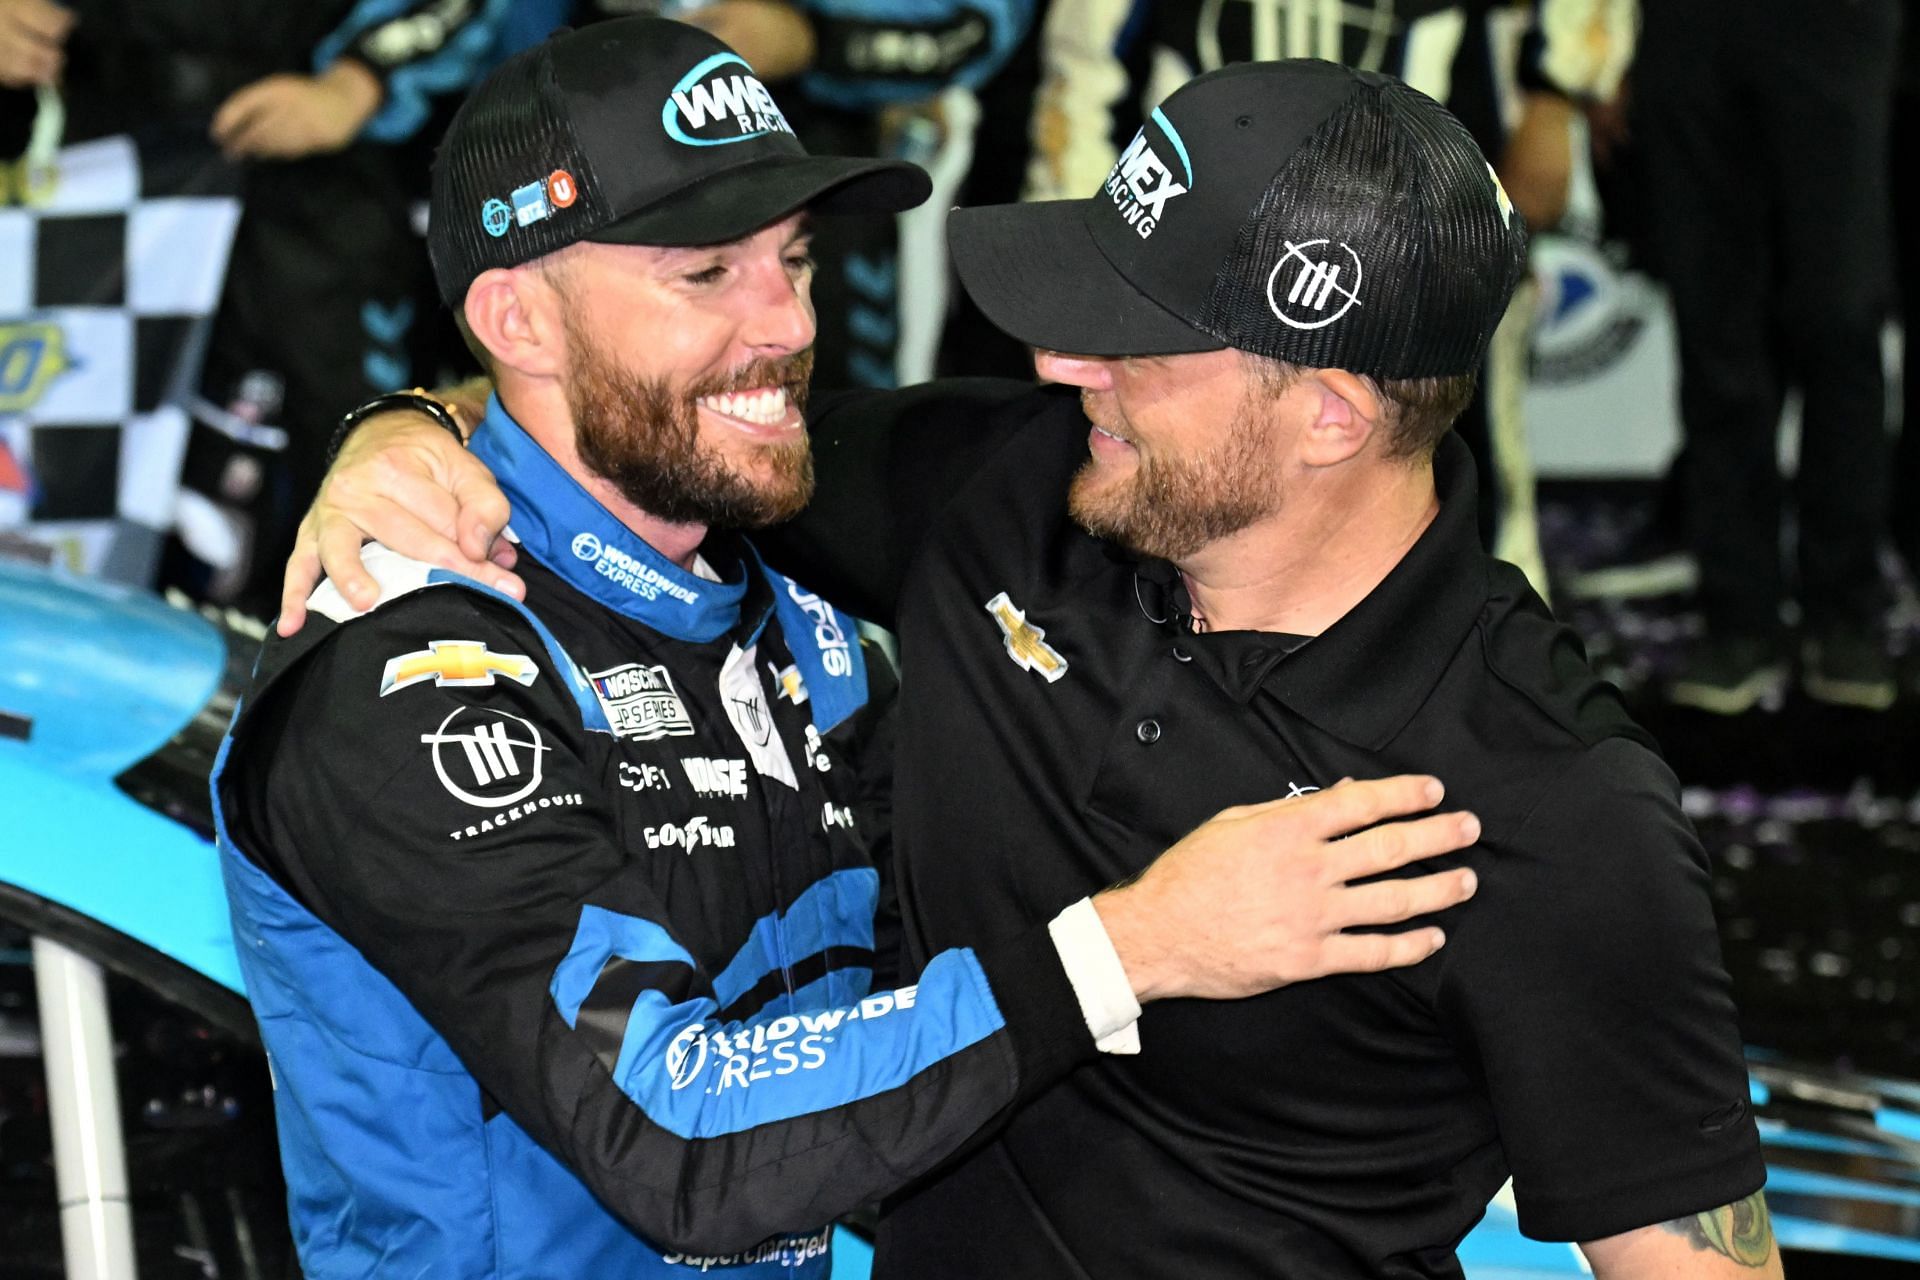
pixel 455 662
pixel 1026 643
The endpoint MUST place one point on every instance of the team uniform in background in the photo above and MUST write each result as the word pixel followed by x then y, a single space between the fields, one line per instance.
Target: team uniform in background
pixel 327 270
pixel 319 298
pixel 1762 132
pixel 316 302
pixel 1104 63
pixel 559 919
pixel 1577 1032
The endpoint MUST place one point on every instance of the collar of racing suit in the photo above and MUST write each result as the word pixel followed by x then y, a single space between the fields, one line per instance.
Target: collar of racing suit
pixel 563 527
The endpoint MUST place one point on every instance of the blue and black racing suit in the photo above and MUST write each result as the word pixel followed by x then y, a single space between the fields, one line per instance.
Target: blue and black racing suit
pixel 558 919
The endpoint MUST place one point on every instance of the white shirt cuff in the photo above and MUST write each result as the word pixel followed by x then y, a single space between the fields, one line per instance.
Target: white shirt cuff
pixel 1097 977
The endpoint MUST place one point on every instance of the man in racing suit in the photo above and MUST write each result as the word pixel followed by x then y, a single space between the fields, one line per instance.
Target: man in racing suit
pixel 557 917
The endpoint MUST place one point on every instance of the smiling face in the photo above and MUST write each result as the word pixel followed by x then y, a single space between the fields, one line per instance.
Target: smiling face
pixel 687 373
pixel 1186 449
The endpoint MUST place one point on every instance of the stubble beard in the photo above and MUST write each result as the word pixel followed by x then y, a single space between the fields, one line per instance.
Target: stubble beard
pixel 1170 508
pixel 642 435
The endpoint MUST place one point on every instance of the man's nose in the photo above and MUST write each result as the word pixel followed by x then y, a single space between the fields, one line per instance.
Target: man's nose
pixel 1095 373
pixel 782 319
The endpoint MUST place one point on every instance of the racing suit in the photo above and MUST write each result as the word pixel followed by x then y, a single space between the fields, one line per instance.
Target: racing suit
pixel 559 921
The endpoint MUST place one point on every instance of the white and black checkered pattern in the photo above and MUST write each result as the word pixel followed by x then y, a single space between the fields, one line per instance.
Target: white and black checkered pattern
pixel 108 285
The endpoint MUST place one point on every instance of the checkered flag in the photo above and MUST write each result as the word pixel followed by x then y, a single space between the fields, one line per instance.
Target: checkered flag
pixel 112 258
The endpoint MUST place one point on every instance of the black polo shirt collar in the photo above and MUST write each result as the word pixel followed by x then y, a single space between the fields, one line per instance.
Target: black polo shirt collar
pixel 1367 675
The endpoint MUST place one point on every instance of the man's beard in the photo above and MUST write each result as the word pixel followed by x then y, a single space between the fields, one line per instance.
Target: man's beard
pixel 1171 507
pixel 642 435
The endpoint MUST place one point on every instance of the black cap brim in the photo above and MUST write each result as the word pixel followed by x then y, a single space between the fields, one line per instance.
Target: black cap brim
pixel 1036 273
pixel 740 201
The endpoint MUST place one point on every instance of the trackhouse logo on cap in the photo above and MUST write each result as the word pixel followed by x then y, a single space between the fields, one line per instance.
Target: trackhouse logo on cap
pixel 721 101
pixel 1315 283
pixel 1141 183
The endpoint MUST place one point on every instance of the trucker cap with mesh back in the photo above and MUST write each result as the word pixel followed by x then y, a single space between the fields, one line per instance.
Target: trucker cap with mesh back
pixel 1302 210
pixel 635 131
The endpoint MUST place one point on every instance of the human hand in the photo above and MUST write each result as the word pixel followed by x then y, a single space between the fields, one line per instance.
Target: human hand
pixel 1536 166
pixel 286 117
pixel 1259 896
pixel 403 481
pixel 33 37
pixel 775 38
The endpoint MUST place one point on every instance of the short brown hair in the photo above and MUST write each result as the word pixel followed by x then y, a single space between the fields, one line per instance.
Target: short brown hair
pixel 1423 410
pixel 1419 410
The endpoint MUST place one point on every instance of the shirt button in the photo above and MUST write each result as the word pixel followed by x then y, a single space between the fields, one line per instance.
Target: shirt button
pixel 1181 655
pixel 1148 731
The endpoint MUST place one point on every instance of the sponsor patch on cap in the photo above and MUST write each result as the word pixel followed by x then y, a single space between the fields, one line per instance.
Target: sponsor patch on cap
pixel 721 101
pixel 496 217
pixel 530 203
pixel 561 189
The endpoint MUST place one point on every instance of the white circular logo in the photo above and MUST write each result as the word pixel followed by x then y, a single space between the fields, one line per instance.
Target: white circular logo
pixel 1317 287
pixel 497 766
pixel 586 546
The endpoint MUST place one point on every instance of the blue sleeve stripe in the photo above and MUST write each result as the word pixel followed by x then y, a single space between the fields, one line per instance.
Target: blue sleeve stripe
pixel 603 935
pixel 1007 23
pixel 700 1080
pixel 825 644
pixel 835 911
pixel 840 987
pixel 452 66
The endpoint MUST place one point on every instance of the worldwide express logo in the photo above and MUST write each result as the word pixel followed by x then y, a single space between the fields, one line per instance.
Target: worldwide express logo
pixel 1142 182
pixel 721 101
pixel 721 1060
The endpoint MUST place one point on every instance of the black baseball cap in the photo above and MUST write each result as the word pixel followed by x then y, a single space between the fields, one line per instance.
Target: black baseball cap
pixel 1302 210
pixel 638 130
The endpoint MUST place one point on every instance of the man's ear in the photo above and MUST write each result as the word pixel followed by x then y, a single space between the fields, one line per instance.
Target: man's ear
pixel 1345 419
pixel 515 314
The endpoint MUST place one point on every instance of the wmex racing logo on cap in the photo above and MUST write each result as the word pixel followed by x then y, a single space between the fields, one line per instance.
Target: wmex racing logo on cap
pixel 721 101
pixel 1141 183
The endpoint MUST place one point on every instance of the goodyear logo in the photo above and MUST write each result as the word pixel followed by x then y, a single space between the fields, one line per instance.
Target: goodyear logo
pixel 721 101
pixel 31 356
pixel 461 663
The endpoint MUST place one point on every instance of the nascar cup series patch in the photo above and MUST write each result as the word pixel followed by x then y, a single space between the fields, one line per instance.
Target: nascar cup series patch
pixel 721 101
pixel 641 702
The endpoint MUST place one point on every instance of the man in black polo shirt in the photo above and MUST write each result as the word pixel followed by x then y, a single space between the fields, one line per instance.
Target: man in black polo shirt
pixel 1257 574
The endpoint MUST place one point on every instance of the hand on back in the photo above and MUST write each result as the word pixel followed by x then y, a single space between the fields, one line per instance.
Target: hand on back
pixel 1260 896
